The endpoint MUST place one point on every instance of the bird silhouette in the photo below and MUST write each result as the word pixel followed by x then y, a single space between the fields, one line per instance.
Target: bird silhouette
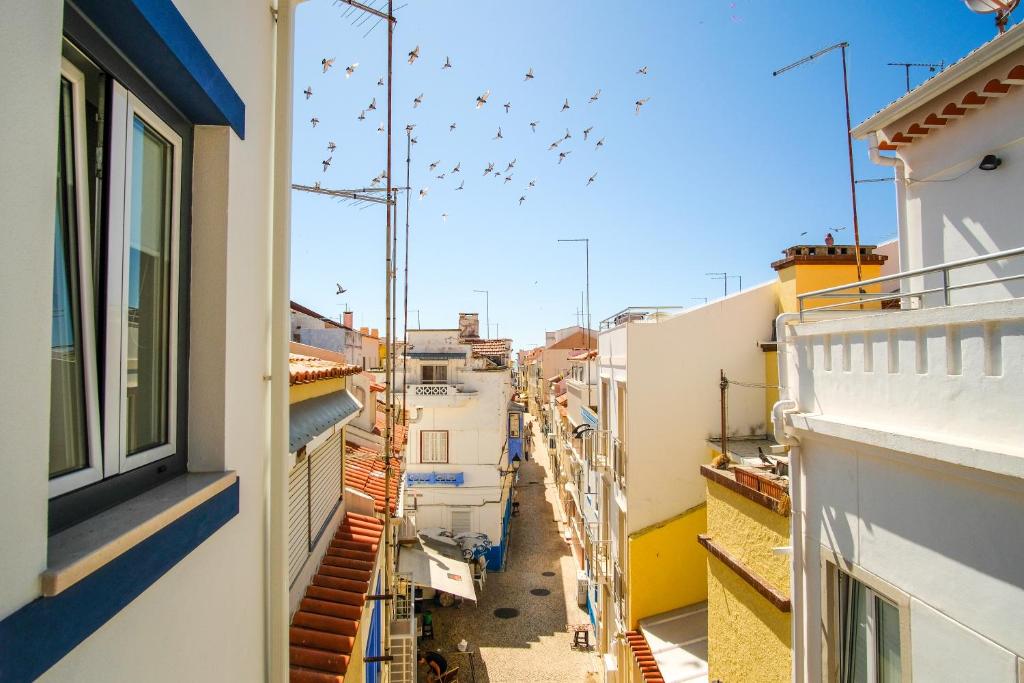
pixel 414 54
pixel 373 105
pixel 380 128
pixel 461 185
pixel 413 141
pixel 341 290
pixel 498 135
pixel 565 105
pixel 586 132
pixel 409 127
pixel 331 146
pixel 567 134
pixel 351 69
pixel 434 164
pixel 447 63
pixel 553 145
pixel 522 198
pixel 327 63
pixel 316 185
pixel 490 167
pixel 532 183
pixel 417 101
pixel 451 128
pixel 562 156
pixel 440 177
pixel 423 192
pixel 597 94
pixel 507 105
pixel 508 178
pixel 533 125
pixel 308 92
pixel 591 179
pixel 362 115
pixel 380 81
pixel 600 144
pixel 642 71
pixel 529 75
pixel 327 163
pixel 444 217
pixel 511 165
pixel 314 121
pixel 482 99
pixel 640 103
pixel 458 168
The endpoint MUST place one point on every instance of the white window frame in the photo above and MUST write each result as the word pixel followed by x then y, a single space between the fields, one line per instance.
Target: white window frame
pixel 434 367
pixel 124 107
pixel 447 445
pixel 92 472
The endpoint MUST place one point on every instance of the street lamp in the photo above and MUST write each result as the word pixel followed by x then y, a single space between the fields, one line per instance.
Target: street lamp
pixel 487 309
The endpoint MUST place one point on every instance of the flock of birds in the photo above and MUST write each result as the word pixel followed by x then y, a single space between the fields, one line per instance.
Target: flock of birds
pixel 491 169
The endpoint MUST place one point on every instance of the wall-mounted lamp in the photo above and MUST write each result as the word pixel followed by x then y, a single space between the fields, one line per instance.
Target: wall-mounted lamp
pixel 515 465
pixel 990 163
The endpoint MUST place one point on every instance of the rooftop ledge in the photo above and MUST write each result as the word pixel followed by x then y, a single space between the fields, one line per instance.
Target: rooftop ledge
pixel 75 553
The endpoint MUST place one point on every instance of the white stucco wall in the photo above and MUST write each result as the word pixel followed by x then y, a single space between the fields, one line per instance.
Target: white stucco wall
pixel 204 619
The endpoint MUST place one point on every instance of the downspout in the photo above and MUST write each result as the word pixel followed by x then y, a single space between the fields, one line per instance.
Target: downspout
pixel 901 196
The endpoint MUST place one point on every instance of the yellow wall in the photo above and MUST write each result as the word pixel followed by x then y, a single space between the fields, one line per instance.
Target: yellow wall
pixel 748 637
pixel 308 390
pixel 808 277
pixel 771 380
pixel 667 567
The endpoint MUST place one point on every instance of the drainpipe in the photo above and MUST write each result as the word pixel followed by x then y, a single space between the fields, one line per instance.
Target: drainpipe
pixel 901 196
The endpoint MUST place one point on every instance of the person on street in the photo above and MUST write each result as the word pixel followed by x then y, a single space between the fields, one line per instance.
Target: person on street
pixel 435 664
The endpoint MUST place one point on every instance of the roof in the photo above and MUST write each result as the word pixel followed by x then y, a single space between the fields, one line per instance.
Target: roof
pixel 302 369
pixel 365 472
pixel 325 629
pixel 490 347
pixel 678 642
pixel 375 386
pixel 920 97
pixel 584 355
pixel 643 657
pixel 401 430
pixel 313 314
pixel 576 340
pixel 313 416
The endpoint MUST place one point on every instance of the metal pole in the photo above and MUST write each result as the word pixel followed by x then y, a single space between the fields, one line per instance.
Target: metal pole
pixel 388 355
pixel 586 245
pixel 849 149
pixel 405 276
pixel 723 386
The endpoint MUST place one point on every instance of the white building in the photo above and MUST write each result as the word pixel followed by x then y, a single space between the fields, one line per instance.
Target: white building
pixel 458 388
pixel 360 347
pixel 905 425
pixel 141 511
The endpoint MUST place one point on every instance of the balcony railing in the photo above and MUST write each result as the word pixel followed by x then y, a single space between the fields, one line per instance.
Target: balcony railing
pixel 639 314
pixel 906 292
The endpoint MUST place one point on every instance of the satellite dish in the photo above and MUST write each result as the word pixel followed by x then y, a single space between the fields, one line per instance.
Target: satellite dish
pixel 1001 8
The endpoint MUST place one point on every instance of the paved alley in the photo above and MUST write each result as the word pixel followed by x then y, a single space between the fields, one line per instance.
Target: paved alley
pixel 534 645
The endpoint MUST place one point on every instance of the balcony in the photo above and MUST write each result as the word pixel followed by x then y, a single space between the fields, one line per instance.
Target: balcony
pixel 926 378
pixel 436 394
pixel 581 395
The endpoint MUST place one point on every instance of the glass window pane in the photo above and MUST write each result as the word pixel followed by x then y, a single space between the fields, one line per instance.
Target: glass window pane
pixel 68 442
pixel 888 631
pixel 853 621
pixel 149 289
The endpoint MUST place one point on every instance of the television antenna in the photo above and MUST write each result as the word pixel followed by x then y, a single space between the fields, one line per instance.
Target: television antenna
pixel 1001 8
pixel 906 66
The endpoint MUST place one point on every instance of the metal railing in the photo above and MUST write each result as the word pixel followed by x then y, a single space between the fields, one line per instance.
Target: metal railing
pixel 860 297
pixel 639 314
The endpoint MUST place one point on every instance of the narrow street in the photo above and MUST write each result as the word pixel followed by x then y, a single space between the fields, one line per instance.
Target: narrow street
pixel 539 582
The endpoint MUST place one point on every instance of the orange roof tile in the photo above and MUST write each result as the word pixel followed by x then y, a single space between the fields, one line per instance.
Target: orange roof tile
pixel 325 629
pixel 401 430
pixel 644 657
pixel 491 347
pixel 584 355
pixel 302 369
pixel 365 472
pixel 375 386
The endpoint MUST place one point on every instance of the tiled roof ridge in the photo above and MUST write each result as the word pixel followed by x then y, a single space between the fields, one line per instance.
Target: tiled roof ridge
pixel 644 657
pixel 361 473
pixel 304 369
pixel 325 629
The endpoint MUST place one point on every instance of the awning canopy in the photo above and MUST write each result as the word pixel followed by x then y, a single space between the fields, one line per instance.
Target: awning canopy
pixel 313 416
pixel 429 567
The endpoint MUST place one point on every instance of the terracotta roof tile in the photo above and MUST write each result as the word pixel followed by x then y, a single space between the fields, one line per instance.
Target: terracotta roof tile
pixel 325 629
pixel 364 471
pixel 303 369
pixel 491 347
pixel 584 355
pixel 401 430
pixel 644 657
pixel 375 386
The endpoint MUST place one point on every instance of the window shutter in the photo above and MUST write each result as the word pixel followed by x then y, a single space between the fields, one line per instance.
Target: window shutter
pixel 462 520
pixel 298 518
pixel 325 482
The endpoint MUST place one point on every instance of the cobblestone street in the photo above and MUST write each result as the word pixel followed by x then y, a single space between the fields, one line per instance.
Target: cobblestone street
pixel 534 645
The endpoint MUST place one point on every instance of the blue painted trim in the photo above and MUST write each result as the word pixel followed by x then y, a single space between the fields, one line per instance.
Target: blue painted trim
pixel 39 634
pixel 154 36
pixel 373 640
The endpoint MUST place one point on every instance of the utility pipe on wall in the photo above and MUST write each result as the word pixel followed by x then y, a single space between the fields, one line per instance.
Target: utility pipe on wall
pixel 898 164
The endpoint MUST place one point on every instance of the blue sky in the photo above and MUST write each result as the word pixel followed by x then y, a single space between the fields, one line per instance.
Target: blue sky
pixel 724 167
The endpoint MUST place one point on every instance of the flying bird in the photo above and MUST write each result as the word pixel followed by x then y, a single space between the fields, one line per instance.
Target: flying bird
pixel 327 163
pixel 586 132
pixel 447 63
pixel 331 146
pixel 482 99
pixel 600 144
pixel 532 183
pixel 498 135
pixel 522 199
pixel 434 164
pixel 458 167
pixel 461 185
pixel 314 121
pixel 553 145
pixel 373 105
pixel 497 174
pixel 362 115
pixel 597 94
pixel 642 71
pixel 327 63
pixel 316 185
pixel 417 101
pixel 567 134
pixel 440 177
pixel 423 192
pixel 451 128
pixel 308 92
pixel 341 290
pixel 413 141
pixel 533 125
pixel 507 105
pixel 414 54
pixel 529 75
pixel 444 217
pixel 351 69
pixel 508 178
pixel 591 179
pixel 490 167
pixel 566 104
pixel 511 165
pixel 375 182
pixel 409 127
pixel 562 156
pixel 640 103
pixel 380 128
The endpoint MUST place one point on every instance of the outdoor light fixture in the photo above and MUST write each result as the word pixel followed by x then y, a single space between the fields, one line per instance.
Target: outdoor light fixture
pixel 581 430
pixel 515 465
pixel 990 163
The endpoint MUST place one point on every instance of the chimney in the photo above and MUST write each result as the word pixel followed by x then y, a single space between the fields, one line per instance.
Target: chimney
pixel 375 333
pixel 469 325
pixel 365 331
pixel 348 319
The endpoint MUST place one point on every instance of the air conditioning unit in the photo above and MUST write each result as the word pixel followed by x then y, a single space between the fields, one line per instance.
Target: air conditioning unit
pixel 582 588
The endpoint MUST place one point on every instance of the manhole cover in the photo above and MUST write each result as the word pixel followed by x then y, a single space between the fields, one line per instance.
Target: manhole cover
pixel 548 574
pixel 506 613
pixel 541 591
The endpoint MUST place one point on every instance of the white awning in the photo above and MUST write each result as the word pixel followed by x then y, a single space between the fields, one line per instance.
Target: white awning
pixel 430 568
